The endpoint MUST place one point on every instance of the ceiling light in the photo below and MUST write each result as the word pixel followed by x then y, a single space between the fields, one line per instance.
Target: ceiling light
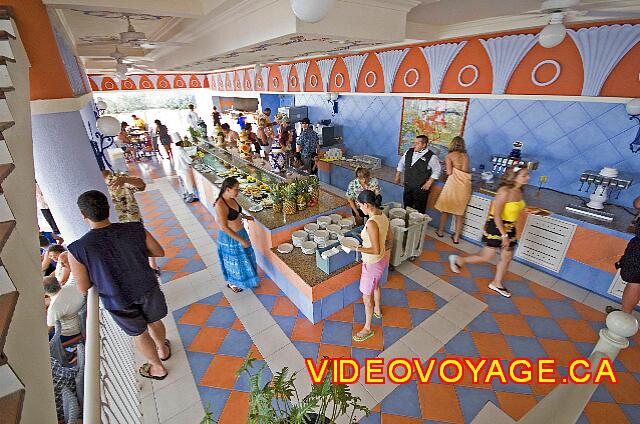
pixel 108 126
pixel 101 105
pixel 312 11
pixel 633 107
pixel 552 35
pixel 121 68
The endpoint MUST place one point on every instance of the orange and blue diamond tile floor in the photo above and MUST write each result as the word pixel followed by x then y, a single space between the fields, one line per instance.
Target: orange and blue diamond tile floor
pixel 536 322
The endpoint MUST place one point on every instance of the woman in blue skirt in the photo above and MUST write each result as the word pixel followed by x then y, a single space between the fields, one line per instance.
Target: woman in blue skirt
pixel 237 259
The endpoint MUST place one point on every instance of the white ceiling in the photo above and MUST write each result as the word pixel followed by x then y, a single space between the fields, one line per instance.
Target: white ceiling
pixel 220 34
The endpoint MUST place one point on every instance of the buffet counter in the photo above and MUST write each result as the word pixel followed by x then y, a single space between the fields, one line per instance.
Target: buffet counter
pixel 316 293
pixel 587 253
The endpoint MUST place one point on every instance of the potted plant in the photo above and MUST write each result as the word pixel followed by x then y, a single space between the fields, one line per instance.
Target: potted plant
pixel 278 401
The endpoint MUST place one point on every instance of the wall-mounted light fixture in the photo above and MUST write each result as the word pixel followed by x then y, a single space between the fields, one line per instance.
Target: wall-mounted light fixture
pixel 333 99
pixel 633 109
pixel 107 127
pixel 101 107
pixel 312 10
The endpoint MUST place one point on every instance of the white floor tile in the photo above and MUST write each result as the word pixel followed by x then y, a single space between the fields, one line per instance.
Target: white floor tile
pixel 491 414
pixel 444 289
pixel 251 311
pixel 192 415
pixel 423 344
pixel 406 268
pixel 570 290
pixel 149 411
pixel 288 357
pixel 176 398
pixel 177 366
pixel 541 278
pixel 440 328
pixel 600 303
pixel 423 277
pixel 270 340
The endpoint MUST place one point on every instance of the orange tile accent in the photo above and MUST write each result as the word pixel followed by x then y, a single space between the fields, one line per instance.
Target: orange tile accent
pixel 334 351
pixel 236 409
pixel 513 325
pixel 626 390
pixel 439 402
pixel 563 351
pixel 237 325
pixel 430 256
pixel 224 302
pixel 467 378
pixel 267 286
pixel 208 340
pixel 587 312
pixel 605 413
pixel 180 275
pixel 531 306
pixel 395 281
pixel 376 408
pixel 421 300
pixel 515 404
pixel 336 282
pixel 596 249
pixel 284 307
pixel 396 316
pixel 630 358
pixel 197 314
pixel 545 293
pixel 398 419
pixel 542 389
pixel 376 342
pixel 578 330
pixel 492 346
pixel 222 372
pixel 175 264
pixel 343 315
pixel 305 331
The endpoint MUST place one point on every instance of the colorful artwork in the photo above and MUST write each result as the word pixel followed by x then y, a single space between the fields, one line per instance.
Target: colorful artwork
pixel 439 119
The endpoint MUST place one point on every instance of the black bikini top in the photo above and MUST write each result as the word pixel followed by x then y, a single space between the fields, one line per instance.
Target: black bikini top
pixel 233 214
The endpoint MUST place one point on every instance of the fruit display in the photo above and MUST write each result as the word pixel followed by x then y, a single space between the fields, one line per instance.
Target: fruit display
pixel 301 188
pixel 276 198
pixel 244 147
pixel 314 191
pixel 289 204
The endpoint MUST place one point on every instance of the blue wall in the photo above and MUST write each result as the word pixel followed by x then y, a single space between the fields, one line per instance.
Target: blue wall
pixel 566 137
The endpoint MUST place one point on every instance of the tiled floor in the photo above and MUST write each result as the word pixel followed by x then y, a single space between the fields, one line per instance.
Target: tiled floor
pixel 423 307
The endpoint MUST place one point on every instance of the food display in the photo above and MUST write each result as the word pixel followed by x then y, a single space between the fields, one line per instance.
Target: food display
pixel 244 147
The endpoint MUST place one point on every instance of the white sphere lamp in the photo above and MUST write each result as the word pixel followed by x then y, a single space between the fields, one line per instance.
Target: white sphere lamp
pixel 552 35
pixel 101 105
pixel 312 11
pixel 633 107
pixel 108 126
pixel 334 96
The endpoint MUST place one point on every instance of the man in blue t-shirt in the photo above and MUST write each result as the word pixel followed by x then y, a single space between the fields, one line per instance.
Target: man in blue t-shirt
pixel 114 257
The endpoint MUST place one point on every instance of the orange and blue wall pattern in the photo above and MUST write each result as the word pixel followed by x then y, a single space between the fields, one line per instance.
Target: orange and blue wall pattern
pixel 591 61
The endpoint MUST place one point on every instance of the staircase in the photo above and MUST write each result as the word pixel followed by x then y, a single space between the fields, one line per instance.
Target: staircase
pixel 19 269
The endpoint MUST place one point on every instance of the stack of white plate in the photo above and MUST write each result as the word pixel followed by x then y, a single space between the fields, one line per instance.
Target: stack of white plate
pixel 335 218
pixel 397 213
pixel 285 248
pixel 309 247
pixel 341 233
pixel 321 236
pixel 346 223
pixel 415 217
pixel 333 230
pixel 311 227
pixel 324 221
pixel 397 222
pixel 299 237
pixel 350 242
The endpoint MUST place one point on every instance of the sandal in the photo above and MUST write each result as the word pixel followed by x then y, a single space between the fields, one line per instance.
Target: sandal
pixel 358 338
pixel 145 371
pixel 439 235
pixel 377 315
pixel 500 290
pixel 234 288
pixel 168 345
pixel 454 240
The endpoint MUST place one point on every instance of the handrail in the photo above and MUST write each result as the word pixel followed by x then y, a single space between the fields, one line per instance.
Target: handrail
pixel 110 386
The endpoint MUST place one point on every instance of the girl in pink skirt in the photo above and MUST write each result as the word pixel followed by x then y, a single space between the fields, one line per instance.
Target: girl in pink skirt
pixel 374 262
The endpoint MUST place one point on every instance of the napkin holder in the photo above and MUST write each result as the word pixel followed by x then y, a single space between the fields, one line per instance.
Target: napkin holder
pixel 334 262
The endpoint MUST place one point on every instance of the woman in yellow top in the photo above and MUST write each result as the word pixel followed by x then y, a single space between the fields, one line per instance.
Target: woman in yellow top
pixel 500 229
pixel 374 261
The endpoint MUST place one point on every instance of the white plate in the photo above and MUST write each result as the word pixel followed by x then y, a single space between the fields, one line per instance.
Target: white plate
pixel 346 223
pixel 350 242
pixel 397 222
pixel 311 227
pixel 285 248
pixel 256 208
pixel 309 247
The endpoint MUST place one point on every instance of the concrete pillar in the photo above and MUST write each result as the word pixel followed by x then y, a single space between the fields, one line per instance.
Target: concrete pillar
pixel 65 165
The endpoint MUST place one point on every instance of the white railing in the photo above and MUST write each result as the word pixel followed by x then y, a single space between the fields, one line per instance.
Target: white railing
pixel 110 386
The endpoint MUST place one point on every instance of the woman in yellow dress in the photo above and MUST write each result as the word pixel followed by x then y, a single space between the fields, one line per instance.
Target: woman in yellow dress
pixel 456 192
pixel 500 229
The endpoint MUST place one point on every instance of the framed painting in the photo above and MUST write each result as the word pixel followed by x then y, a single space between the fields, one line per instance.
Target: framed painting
pixel 438 119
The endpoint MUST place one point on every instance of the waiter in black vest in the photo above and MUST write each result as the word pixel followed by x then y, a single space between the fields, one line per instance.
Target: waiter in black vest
pixel 421 168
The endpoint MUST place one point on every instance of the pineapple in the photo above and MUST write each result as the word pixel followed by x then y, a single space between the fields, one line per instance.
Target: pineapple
pixel 276 196
pixel 289 204
pixel 301 191
pixel 314 191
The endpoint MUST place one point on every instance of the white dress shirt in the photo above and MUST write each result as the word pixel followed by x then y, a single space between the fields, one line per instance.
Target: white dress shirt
pixel 434 163
pixel 193 119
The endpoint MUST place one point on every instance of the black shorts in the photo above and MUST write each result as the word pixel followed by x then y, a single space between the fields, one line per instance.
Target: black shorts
pixel 493 238
pixel 150 308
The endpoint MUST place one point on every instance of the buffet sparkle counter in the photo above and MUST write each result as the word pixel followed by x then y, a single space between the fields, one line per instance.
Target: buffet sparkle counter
pixel 316 294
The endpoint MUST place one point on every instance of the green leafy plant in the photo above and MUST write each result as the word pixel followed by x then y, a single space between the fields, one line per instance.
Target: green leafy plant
pixel 208 415
pixel 195 134
pixel 278 401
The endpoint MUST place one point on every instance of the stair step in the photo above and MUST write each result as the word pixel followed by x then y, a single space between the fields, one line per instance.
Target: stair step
pixel 5 170
pixel 6 125
pixel 6 228
pixel 8 302
pixel 11 395
pixel 4 35
pixel 6 12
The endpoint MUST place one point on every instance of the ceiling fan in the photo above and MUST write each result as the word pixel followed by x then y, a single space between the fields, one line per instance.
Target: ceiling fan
pixel 560 11
pixel 125 64
pixel 133 38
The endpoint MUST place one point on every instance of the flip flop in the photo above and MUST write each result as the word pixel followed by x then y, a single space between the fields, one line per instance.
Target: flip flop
pixel 167 343
pixel 145 371
pixel 234 289
pixel 362 338
pixel 500 290
pixel 377 315
pixel 439 235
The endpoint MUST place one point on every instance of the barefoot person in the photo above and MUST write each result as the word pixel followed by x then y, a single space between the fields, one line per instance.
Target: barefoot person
pixel 114 257
pixel 237 259
pixel 374 262
pixel 456 192
pixel 500 229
